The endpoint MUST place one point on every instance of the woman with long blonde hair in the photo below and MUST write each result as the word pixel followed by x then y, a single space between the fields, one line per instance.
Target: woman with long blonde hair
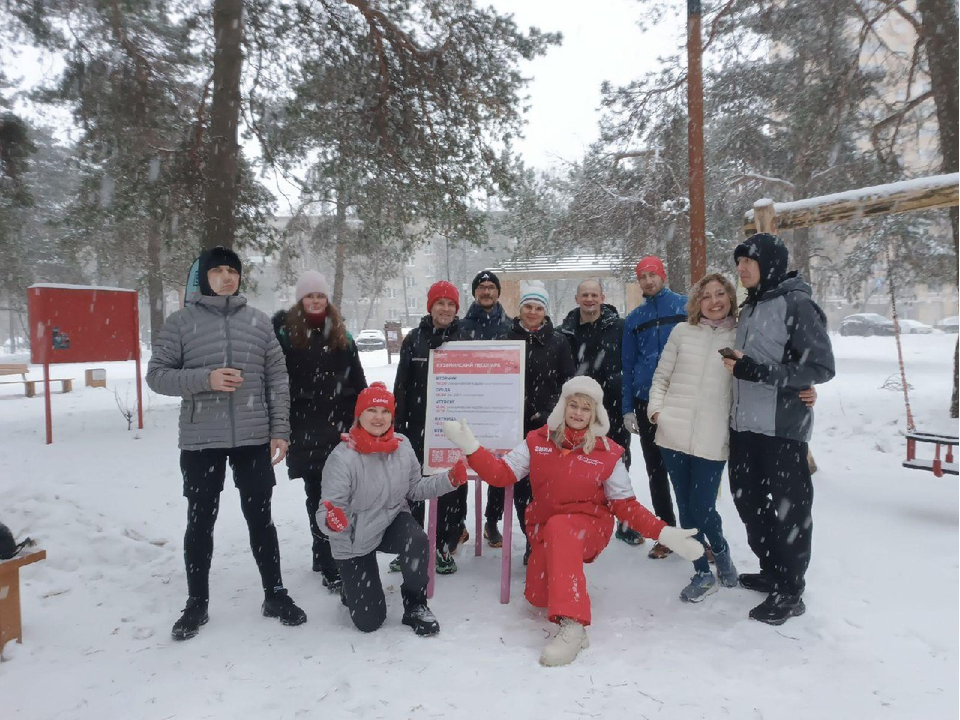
pixel 579 484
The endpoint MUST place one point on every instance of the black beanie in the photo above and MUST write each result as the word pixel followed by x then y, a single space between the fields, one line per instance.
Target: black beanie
pixel 215 257
pixel 484 276
pixel 771 255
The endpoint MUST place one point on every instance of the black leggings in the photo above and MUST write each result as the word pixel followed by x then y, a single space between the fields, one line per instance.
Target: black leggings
pixel 321 544
pixel 203 475
pixel 522 495
pixel 362 589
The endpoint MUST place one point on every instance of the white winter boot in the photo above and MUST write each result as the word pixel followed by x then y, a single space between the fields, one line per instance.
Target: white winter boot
pixel 568 642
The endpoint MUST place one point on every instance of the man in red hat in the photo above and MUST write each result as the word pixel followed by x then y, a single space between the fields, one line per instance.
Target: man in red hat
pixel 438 326
pixel 645 334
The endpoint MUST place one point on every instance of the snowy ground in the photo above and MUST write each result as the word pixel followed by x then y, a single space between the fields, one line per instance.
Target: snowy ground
pixel 879 640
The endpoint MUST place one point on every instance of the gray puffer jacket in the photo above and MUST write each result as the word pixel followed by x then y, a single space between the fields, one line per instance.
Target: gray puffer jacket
pixel 372 489
pixel 217 332
pixel 783 335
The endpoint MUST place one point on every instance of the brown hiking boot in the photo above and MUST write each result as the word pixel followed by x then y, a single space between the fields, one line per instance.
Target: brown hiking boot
pixel 709 554
pixel 492 534
pixel 659 552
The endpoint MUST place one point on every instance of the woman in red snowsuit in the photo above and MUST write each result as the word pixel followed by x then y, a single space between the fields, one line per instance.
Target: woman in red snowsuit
pixel 579 484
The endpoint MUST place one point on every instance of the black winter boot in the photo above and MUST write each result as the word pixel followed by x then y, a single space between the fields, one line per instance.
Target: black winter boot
pixel 421 620
pixel 194 615
pixel 778 608
pixel 333 583
pixel 279 604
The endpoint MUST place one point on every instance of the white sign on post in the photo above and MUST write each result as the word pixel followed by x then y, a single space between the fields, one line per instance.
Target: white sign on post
pixel 481 382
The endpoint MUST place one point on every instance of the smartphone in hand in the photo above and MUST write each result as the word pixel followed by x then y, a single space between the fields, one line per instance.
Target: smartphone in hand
pixel 727 353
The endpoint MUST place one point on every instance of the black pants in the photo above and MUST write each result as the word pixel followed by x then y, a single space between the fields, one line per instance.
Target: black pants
pixel 771 487
pixel 656 470
pixel 203 475
pixel 451 516
pixel 621 436
pixel 522 495
pixel 321 545
pixel 362 589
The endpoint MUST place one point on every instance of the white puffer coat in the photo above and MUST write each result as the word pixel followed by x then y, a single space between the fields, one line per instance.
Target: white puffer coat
pixel 691 390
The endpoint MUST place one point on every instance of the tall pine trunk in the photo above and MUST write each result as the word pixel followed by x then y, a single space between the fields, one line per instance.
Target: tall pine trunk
pixel 341 250
pixel 154 281
pixel 939 33
pixel 221 172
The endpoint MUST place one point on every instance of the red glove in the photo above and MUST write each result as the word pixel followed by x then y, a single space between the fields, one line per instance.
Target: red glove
pixel 336 517
pixel 458 473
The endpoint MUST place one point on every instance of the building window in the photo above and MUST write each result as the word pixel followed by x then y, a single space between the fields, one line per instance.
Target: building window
pixel 411 281
pixel 411 261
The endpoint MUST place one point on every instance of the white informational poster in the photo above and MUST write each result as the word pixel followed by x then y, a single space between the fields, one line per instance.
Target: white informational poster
pixel 481 382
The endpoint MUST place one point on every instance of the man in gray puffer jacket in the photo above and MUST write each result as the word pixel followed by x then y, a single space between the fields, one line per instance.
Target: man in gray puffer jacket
pixel 782 348
pixel 222 357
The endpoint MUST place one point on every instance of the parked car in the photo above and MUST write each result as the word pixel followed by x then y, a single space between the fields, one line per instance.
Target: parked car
pixel 914 327
pixel 949 325
pixel 866 324
pixel 371 340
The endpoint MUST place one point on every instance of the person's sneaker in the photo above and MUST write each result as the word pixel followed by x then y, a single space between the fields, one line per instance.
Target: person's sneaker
pixel 526 553
pixel 778 608
pixel 757 582
pixel 492 534
pixel 701 585
pixel 395 564
pixel 421 619
pixel 628 535
pixel 279 604
pixel 659 552
pixel 446 565
pixel 566 644
pixel 726 570
pixel 194 615
pixel 333 584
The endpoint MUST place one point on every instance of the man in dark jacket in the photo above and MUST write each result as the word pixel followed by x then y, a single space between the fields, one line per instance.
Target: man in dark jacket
pixel 548 364
pixel 485 318
pixel 440 325
pixel 595 332
pixel 645 334
pixel 782 348
pixel 221 356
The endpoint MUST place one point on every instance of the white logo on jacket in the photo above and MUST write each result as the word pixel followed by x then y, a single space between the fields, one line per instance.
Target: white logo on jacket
pixel 588 460
pixel 543 449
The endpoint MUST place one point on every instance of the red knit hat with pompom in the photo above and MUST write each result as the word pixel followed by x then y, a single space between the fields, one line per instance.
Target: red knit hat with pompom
pixel 376 395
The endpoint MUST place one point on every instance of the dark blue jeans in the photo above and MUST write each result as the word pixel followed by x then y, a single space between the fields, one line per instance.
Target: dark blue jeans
pixel 695 483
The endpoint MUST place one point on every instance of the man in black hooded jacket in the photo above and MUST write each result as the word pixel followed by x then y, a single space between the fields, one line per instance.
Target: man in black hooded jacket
pixel 782 348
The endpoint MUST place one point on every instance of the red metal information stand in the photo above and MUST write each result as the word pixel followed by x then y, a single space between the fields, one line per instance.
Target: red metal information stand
pixel 77 324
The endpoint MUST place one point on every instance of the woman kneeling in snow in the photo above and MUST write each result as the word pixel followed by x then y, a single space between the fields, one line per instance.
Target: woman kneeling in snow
pixel 367 483
pixel 579 484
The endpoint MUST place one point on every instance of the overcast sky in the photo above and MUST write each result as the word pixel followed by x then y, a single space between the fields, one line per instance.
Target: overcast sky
pixel 601 41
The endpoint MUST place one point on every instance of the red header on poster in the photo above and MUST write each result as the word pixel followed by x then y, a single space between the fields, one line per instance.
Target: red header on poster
pixel 478 362
pixel 75 323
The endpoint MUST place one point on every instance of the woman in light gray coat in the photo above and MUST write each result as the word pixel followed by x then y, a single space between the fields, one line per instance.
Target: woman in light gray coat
pixel 368 483
pixel 221 356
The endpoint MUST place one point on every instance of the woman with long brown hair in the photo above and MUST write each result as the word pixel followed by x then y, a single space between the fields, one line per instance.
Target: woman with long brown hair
pixel 325 379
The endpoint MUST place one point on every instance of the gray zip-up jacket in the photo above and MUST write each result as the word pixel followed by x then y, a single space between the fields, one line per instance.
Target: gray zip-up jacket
pixel 784 337
pixel 217 332
pixel 372 489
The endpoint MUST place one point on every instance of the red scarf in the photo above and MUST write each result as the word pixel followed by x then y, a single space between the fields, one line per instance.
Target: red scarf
pixel 316 320
pixel 572 439
pixel 365 443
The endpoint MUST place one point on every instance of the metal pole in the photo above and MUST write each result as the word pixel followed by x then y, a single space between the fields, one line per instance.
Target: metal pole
pixel 698 235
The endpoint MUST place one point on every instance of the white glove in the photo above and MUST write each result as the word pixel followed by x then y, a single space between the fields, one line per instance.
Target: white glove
pixel 460 434
pixel 682 542
pixel 630 422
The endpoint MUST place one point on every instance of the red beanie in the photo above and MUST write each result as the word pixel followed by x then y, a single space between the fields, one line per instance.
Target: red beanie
pixel 651 263
pixel 443 289
pixel 376 395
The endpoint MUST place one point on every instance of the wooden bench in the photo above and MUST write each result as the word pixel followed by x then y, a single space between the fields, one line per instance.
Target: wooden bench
pixel 30 386
pixel 10 628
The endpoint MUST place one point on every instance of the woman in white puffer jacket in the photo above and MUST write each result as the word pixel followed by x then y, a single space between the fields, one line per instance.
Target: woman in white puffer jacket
pixel 690 404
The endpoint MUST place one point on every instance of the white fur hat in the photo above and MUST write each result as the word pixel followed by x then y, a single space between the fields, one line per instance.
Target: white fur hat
pixel 312 282
pixel 582 385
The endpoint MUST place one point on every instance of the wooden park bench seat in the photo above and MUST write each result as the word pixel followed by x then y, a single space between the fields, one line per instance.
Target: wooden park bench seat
pixel 10 628
pixel 30 386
